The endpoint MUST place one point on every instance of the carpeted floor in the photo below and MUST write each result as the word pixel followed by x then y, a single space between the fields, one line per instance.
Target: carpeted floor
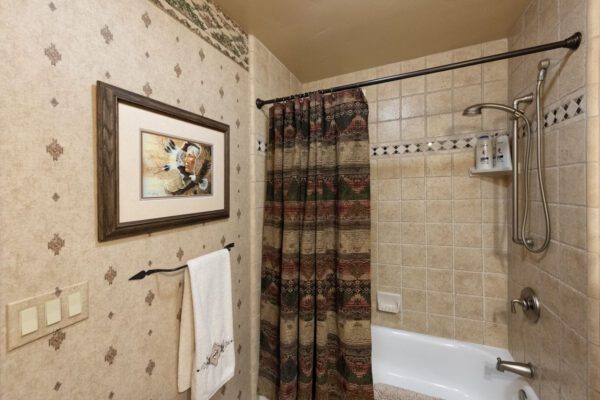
pixel 389 392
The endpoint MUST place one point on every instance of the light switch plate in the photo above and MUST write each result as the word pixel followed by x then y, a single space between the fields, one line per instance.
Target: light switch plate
pixel 29 320
pixel 74 304
pixel 53 312
pixel 13 314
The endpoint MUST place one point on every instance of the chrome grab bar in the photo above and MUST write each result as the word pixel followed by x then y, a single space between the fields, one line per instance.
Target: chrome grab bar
pixel 515 173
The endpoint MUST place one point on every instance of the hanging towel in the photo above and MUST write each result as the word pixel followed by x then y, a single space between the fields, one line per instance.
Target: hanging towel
pixel 186 337
pixel 210 308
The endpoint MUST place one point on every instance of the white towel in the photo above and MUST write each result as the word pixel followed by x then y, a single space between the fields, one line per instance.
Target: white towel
pixel 213 363
pixel 186 337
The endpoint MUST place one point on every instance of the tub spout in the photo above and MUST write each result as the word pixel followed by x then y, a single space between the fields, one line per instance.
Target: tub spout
pixel 523 369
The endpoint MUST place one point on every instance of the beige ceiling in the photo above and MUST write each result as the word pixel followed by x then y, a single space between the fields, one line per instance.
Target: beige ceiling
pixel 321 38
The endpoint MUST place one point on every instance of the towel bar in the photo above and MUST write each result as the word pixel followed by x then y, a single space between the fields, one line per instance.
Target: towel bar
pixel 143 274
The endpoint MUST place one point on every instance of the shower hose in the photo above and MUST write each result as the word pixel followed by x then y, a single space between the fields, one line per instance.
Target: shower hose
pixel 527 242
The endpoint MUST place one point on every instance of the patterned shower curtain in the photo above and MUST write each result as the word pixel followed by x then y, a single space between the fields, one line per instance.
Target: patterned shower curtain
pixel 315 327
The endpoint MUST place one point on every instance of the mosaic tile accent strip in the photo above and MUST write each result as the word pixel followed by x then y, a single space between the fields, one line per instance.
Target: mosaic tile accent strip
pixel 555 115
pixel 206 20
pixel 568 110
pixel 438 145
pixel 261 145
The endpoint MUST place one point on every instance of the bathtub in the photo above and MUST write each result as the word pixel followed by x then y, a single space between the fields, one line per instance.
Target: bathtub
pixel 443 368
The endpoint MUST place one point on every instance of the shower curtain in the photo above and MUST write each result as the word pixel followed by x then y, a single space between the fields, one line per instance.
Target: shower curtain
pixel 315 327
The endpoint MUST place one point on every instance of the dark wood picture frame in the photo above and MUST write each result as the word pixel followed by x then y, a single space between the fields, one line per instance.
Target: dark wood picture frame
pixel 108 98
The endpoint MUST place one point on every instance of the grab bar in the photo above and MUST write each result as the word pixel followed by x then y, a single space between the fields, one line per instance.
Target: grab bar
pixel 515 150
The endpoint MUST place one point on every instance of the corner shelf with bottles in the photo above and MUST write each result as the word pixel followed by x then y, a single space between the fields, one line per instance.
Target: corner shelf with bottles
pixel 492 155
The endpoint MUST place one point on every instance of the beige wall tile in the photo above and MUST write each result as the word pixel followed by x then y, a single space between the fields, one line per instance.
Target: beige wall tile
pixel 572 186
pixel 439 102
pixel 466 188
pixel 468 259
pixel 414 255
pixel 389 211
pixel 496 310
pixel 412 166
pixel 440 303
pixel 414 321
pixel 462 162
pixel 438 165
pixel 438 325
pixel 467 211
pixel 572 145
pixel 388 109
pixel 413 189
pixel 439 280
pixel 388 131
pixel 388 168
pixel 439 188
pixel 467 235
pixel 413 128
pixel 439 234
pixel 469 307
pixel 466 96
pixel 439 257
pixel 573 309
pixel 390 274
pixel 469 330
pixel 413 233
pixel 414 300
pixel 470 283
pixel 389 253
pixel 439 125
pixel 413 106
pixel 413 211
pixel 495 335
pixel 389 232
pixel 389 189
pixel 439 211
pixel 414 278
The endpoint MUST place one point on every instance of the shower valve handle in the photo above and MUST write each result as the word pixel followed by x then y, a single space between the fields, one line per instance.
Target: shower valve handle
pixel 520 302
pixel 529 302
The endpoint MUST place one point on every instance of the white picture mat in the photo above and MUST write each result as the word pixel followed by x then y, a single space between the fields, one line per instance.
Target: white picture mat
pixel 132 120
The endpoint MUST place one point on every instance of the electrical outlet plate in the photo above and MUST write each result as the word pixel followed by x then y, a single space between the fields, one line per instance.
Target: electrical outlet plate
pixel 13 314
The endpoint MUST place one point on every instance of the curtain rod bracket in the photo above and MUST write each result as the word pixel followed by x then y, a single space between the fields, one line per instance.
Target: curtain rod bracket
pixel 573 41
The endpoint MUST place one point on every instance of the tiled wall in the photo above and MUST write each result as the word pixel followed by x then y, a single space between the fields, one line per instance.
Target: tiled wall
pixel 564 276
pixel 593 196
pixel 438 235
pixel 53 52
pixel 269 78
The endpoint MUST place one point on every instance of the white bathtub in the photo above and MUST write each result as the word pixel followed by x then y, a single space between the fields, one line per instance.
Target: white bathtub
pixel 444 368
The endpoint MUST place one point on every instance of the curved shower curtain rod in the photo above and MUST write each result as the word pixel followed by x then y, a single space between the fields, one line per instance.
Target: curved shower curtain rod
pixel 572 42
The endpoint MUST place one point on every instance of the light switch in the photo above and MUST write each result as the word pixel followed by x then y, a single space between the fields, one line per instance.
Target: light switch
pixel 29 321
pixel 74 304
pixel 53 313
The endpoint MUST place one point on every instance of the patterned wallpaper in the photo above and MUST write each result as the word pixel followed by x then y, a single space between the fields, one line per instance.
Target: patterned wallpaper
pixel 204 18
pixel 127 349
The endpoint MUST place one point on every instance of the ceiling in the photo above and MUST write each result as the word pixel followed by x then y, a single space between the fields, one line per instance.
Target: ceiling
pixel 321 38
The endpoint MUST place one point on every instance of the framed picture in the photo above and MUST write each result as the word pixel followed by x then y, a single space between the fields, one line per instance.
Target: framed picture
pixel 159 167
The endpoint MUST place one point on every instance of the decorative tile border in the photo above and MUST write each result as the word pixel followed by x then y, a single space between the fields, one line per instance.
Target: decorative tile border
pixel 442 144
pixel 206 20
pixel 261 145
pixel 568 110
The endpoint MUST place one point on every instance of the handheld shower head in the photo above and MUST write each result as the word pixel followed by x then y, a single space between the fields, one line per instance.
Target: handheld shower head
pixel 475 109
pixel 543 69
pixel 472 111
